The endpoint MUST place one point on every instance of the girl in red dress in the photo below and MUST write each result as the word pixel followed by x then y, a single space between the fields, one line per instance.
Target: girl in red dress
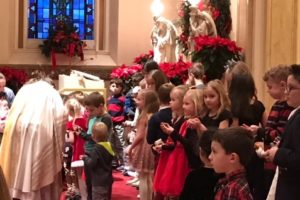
pixel 185 155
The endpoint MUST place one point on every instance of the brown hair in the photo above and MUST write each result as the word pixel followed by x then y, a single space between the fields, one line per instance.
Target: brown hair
pixel 197 70
pixel 278 73
pixel 94 99
pixel 164 93
pixel 118 82
pixel 236 140
pixel 151 102
pixel 159 78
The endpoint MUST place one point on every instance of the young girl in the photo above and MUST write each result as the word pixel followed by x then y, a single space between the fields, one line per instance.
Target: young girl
pixel 185 156
pixel 165 149
pixel 155 79
pixel 248 110
pixel 218 106
pixel 139 152
pixel 77 118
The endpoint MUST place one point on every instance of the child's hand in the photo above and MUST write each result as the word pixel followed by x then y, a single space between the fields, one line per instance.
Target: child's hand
pixel 77 129
pixel 253 128
pixel 81 157
pixel 157 148
pixel 166 128
pixel 270 154
pixel 127 123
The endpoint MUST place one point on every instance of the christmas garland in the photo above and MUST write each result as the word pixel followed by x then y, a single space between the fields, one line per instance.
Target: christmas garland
pixel 184 13
pixel 222 17
pixel 63 38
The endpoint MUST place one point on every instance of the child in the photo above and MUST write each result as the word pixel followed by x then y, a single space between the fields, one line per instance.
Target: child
pixel 129 98
pixel 287 154
pixel 200 183
pixel 95 107
pixel 4 108
pixel 77 118
pixel 185 156
pixel 232 149
pixel 167 143
pixel 140 151
pixel 99 161
pixel 275 80
pixel 248 110
pixel 116 105
pixel 164 114
pixel 218 106
pixel 155 79
pixel 196 76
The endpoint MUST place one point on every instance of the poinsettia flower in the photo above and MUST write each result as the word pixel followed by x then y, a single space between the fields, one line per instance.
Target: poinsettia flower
pixel 216 13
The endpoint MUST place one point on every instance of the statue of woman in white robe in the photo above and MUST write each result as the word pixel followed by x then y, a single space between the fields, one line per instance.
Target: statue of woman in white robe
pixel 164 43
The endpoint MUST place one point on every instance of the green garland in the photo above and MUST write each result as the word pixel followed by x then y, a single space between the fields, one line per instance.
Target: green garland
pixel 223 21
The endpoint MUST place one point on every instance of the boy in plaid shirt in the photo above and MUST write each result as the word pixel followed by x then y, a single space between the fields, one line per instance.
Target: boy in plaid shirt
pixel 232 149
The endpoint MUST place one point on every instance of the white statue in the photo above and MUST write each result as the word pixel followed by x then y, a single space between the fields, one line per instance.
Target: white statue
pixel 163 38
pixel 201 23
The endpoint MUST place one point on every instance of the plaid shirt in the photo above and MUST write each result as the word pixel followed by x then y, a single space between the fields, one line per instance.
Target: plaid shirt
pixel 233 187
pixel 277 119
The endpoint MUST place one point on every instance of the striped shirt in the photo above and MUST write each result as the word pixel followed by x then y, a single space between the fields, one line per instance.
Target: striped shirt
pixel 116 108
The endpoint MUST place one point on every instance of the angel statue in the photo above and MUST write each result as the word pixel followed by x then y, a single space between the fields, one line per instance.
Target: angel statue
pixel 201 23
pixel 163 36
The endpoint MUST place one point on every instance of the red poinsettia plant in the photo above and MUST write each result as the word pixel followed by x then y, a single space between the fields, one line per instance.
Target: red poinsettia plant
pixel 143 58
pixel 15 78
pixel 214 53
pixel 176 72
pixel 125 73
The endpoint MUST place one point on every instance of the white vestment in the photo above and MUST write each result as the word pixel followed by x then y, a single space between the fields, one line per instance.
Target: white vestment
pixel 31 149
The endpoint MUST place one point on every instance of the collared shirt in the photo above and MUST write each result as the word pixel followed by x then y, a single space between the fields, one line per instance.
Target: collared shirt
pixel 233 187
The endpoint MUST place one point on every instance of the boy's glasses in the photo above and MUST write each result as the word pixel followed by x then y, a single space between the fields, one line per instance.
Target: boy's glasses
pixel 288 89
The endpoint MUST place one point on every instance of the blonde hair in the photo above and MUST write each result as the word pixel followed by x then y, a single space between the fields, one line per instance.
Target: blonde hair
pixel 181 90
pixel 73 107
pixel 197 98
pixel 100 131
pixel 217 86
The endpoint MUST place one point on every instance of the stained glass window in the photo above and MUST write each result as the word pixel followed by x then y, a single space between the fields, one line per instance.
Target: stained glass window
pixel 43 14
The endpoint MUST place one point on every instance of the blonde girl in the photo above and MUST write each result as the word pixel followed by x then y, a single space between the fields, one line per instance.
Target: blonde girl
pixel 217 103
pixel 166 148
pixel 141 157
pixel 185 156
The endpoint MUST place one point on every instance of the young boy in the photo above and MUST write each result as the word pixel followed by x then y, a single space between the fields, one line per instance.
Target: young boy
pixel 95 107
pixel 196 76
pixel 232 149
pixel 116 110
pixel 276 81
pixel 99 161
